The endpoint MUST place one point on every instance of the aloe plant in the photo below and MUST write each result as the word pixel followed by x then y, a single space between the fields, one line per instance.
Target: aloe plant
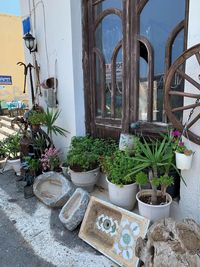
pixel 49 121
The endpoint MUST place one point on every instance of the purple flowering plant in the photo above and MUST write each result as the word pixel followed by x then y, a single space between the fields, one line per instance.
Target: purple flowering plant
pixel 50 159
pixel 179 146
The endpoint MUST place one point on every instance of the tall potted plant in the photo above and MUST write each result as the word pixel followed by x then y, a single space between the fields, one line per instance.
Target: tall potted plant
pixel 49 121
pixel 121 185
pixel 155 158
pixel 161 208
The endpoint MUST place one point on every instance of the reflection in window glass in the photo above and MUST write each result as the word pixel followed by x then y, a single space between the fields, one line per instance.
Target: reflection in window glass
pixel 178 46
pixel 119 85
pixel 143 90
pixel 98 86
pixel 107 4
pixel 107 36
pixel 157 21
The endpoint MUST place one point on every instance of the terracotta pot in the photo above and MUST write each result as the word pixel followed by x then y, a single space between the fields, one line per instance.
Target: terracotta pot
pixel 35 127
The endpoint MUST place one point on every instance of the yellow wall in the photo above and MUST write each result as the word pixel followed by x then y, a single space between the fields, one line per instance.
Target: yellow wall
pixel 11 52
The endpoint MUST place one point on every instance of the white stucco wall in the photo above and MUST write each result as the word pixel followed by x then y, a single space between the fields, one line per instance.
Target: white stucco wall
pixel 190 196
pixel 61 20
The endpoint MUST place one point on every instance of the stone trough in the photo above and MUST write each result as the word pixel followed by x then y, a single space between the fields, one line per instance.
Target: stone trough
pixel 73 211
pixel 53 189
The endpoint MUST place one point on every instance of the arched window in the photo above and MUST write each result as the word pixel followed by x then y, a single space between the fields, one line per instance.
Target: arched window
pixel 128 45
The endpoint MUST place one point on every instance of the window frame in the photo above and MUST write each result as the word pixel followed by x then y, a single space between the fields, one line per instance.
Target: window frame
pixel 104 127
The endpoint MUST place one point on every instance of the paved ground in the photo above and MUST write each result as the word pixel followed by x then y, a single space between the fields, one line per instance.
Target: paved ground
pixel 31 235
pixel 14 250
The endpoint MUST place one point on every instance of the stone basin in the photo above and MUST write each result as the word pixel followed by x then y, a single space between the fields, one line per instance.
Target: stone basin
pixel 53 189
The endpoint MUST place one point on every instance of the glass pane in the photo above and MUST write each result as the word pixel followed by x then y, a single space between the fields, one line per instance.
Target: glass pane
pixel 107 4
pixel 98 86
pixel 143 89
pixel 107 36
pixel 119 85
pixel 178 46
pixel 157 20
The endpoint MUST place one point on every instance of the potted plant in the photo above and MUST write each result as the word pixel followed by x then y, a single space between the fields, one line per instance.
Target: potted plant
pixel 104 148
pixel 160 209
pixel 184 156
pixel 121 185
pixel 12 149
pixel 50 160
pixel 33 169
pixel 83 162
pixel 35 119
pixel 156 158
pixel 49 120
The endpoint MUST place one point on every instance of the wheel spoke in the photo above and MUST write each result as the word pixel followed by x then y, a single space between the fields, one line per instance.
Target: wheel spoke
pixel 186 107
pixel 197 96
pixel 194 121
pixel 198 57
pixel 188 78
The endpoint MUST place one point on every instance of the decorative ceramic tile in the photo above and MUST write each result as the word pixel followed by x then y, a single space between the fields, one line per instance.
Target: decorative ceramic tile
pixel 113 231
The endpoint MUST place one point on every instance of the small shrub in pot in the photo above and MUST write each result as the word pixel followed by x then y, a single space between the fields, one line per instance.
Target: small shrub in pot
pixel 121 185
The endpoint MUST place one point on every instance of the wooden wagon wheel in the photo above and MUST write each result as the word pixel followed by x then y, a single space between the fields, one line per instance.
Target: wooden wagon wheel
pixel 178 68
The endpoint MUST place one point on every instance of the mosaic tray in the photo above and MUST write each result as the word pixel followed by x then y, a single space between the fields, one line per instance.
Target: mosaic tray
pixel 113 231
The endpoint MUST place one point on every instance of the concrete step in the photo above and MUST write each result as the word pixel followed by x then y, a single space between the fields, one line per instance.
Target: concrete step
pixel 7 124
pixel 6 131
pixel 2 137
pixel 6 118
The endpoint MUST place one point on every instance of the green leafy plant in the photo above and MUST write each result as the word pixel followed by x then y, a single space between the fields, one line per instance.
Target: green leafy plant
pixel 33 164
pixel 153 156
pixel 141 179
pixel 49 121
pixel 118 167
pixel 86 152
pixel 12 146
pixel 181 148
pixel 163 181
pixel 36 118
pixel 2 149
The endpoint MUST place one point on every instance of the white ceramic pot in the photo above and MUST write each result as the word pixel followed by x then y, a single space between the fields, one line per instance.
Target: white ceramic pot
pixel 102 181
pixel 183 162
pixel 86 180
pixel 16 165
pixel 124 196
pixel 153 212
